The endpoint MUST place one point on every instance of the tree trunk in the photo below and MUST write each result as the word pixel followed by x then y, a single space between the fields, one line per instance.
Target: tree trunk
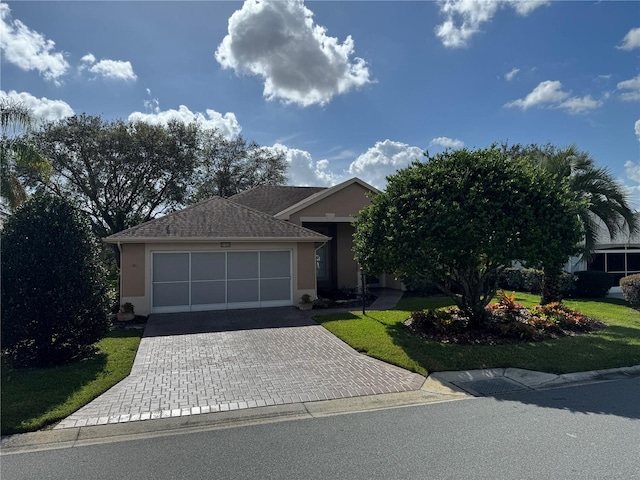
pixel 551 291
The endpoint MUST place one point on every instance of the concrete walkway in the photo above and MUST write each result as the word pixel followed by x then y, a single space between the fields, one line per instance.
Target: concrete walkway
pixel 204 362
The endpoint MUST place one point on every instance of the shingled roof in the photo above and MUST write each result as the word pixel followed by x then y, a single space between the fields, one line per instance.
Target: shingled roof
pixel 273 199
pixel 216 219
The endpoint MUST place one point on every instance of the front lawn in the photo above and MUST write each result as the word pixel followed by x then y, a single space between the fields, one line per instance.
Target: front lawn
pixel 33 398
pixel 381 334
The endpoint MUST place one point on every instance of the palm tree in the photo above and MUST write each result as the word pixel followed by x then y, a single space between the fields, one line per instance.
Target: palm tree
pixel 19 159
pixel 605 202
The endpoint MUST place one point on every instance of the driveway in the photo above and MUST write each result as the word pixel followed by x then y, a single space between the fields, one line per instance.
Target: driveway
pixel 204 362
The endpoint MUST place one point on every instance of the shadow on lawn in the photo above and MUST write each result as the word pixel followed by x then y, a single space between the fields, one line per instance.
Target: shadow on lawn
pixel 33 395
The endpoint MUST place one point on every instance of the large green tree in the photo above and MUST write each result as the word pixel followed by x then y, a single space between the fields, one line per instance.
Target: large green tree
pixel 20 161
pixel 229 166
pixel 53 289
pixel 120 173
pixel 603 201
pixel 461 217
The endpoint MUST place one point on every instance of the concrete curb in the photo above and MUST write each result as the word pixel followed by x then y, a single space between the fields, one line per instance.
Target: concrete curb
pixel 92 435
pixel 462 381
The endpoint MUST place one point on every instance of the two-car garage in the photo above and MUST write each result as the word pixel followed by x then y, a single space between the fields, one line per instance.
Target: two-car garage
pixel 185 281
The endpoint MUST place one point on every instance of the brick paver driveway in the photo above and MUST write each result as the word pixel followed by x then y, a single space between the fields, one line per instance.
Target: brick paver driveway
pixel 204 362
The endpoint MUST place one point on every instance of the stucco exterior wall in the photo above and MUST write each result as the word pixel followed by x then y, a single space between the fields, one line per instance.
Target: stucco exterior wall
pixel 132 268
pixel 343 203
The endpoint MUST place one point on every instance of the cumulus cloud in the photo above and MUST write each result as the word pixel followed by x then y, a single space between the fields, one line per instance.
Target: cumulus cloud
pixel 631 40
pixel 42 108
pixel 510 75
pixel 446 142
pixel 550 94
pixel 28 49
pixel 383 159
pixel 112 69
pixel 637 129
pixel 226 124
pixel 299 63
pixel 463 18
pixel 632 171
pixel 630 89
pixel 302 170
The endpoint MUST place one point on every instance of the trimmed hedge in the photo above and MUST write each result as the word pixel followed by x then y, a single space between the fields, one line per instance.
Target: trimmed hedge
pixel 530 280
pixel 630 286
pixel 593 284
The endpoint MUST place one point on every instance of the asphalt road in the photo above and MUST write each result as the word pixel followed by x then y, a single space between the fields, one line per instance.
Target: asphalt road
pixel 583 432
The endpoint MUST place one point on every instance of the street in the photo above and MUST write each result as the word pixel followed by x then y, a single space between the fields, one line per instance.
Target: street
pixel 587 432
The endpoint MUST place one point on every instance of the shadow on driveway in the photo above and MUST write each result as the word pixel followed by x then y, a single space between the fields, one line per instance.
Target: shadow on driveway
pixel 165 324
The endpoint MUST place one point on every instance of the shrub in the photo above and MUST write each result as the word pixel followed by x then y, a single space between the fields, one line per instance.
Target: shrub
pixel 530 280
pixel 630 286
pixel 593 284
pixel 421 287
pixel 54 303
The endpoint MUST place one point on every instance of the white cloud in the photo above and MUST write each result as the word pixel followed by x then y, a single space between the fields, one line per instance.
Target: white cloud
pixel 112 69
pixel 637 129
pixel 304 171
pixel 630 89
pixel 631 40
pixel 446 142
pixel 28 49
pixel 550 94
pixel 463 18
pixel 226 124
pixel 632 170
pixel 299 63
pixel 383 159
pixel 580 104
pixel 42 108
pixel 510 75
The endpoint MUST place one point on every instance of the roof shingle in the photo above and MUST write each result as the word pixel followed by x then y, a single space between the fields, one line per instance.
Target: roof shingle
pixel 273 199
pixel 217 219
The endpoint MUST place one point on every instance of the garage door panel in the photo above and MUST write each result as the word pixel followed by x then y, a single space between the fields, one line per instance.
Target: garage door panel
pixel 208 266
pixel 171 294
pixel 239 291
pixel 205 293
pixel 242 265
pixel 169 267
pixel 275 289
pixel 275 264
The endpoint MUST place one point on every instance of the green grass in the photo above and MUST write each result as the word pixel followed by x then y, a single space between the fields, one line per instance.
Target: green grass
pixel 381 334
pixel 33 398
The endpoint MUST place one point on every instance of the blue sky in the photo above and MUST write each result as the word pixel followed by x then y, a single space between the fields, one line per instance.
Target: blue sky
pixel 356 88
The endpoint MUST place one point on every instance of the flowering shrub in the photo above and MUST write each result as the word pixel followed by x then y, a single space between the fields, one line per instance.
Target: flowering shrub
pixel 509 322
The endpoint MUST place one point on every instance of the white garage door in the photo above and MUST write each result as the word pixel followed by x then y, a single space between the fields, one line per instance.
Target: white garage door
pixel 190 281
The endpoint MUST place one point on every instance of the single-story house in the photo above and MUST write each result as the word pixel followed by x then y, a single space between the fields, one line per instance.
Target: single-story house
pixel 264 247
pixel 619 256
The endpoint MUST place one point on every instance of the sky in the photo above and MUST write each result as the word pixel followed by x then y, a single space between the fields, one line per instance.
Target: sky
pixel 344 88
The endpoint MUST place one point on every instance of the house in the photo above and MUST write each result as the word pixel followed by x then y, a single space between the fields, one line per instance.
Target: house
pixel 619 256
pixel 264 247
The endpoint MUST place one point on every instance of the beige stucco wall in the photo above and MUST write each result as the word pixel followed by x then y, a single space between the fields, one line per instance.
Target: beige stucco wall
pixel 343 203
pixel 302 267
pixel 132 267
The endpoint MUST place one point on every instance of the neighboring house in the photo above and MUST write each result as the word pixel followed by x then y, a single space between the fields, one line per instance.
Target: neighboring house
pixel 619 256
pixel 264 247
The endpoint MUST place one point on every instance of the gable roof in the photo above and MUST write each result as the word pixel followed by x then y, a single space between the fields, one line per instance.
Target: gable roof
pixel 273 199
pixel 286 213
pixel 216 219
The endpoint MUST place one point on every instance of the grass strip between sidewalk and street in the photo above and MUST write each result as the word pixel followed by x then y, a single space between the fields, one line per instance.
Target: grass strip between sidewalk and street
pixel 33 398
pixel 381 334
